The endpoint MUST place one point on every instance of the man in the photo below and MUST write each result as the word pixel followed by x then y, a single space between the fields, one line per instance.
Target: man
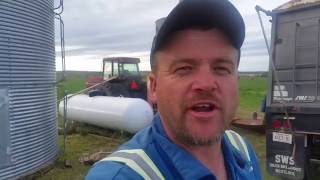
pixel 194 63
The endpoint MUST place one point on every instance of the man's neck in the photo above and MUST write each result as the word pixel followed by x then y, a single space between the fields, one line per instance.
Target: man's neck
pixel 211 156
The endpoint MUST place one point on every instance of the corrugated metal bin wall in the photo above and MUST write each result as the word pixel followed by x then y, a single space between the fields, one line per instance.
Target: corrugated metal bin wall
pixel 28 129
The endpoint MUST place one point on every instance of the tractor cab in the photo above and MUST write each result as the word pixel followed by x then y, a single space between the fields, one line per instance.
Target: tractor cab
pixel 120 67
pixel 122 78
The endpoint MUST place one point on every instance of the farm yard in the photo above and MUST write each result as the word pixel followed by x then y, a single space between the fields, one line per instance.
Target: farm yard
pixel 87 139
pixel 39 39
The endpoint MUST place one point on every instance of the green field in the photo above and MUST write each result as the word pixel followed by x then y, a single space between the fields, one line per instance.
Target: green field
pixel 74 82
pixel 252 91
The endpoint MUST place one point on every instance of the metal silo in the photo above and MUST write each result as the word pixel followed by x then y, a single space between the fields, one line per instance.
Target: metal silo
pixel 28 130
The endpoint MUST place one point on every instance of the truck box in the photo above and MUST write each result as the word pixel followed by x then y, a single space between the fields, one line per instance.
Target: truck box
pixel 293 100
pixel 295 53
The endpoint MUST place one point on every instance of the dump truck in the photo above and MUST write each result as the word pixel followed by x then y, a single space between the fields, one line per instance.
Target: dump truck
pixel 293 99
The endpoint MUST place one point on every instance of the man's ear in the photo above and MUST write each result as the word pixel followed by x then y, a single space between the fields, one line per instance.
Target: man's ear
pixel 151 88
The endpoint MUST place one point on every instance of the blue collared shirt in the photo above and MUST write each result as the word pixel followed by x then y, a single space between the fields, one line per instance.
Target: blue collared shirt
pixel 174 162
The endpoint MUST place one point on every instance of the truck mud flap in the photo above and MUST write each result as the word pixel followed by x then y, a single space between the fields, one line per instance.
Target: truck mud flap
pixel 285 154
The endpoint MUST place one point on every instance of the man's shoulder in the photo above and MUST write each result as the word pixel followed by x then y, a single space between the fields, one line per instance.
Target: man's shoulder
pixel 239 143
pixel 114 169
pixel 140 140
pixel 111 170
pixel 244 150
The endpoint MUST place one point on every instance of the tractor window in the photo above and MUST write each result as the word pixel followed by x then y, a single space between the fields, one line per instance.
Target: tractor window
pixel 131 68
pixel 115 69
pixel 107 70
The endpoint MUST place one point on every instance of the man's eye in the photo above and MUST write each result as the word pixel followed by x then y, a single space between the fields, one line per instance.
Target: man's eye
pixel 183 70
pixel 222 70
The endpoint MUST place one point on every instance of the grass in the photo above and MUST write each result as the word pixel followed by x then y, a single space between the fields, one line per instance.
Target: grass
pixel 74 82
pixel 77 145
pixel 252 91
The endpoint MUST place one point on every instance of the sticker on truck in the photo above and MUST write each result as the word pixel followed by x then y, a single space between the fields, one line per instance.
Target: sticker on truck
pixel 284 164
pixel 285 154
pixel 305 98
pixel 281 94
pixel 282 137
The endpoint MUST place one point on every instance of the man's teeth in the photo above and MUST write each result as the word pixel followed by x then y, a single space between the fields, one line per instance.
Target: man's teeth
pixel 203 105
pixel 206 107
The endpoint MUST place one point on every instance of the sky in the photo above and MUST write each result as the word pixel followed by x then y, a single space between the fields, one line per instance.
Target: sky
pixel 106 28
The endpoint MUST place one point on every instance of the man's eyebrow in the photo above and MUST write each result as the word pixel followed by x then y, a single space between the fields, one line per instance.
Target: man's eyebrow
pixel 224 61
pixel 183 60
pixel 176 61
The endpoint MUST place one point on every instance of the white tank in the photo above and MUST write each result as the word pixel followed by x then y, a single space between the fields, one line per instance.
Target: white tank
pixel 128 114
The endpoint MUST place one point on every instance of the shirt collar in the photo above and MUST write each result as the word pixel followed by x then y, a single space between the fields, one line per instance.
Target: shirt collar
pixel 238 164
pixel 191 168
pixel 185 163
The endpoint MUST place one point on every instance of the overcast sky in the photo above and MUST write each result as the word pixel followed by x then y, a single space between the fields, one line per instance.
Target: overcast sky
pixel 104 28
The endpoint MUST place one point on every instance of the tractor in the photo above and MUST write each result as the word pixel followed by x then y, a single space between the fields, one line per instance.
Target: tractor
pixel 120 77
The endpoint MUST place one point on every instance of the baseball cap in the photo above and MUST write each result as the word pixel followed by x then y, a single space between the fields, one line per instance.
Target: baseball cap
pixel 220 14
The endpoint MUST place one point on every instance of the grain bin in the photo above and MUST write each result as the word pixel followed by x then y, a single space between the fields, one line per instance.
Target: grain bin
pixel 28 129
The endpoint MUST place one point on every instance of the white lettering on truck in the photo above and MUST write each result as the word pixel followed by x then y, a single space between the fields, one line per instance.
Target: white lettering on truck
pixel 284 159
pixel 305 98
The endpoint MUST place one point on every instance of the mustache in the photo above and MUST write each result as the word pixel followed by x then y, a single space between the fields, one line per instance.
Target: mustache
pixel 204 96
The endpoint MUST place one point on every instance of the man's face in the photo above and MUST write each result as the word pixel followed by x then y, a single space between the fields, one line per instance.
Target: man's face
pixel 195 86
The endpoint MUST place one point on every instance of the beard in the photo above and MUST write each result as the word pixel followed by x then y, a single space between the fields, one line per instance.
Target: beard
pixel 192 140
pixel 188 136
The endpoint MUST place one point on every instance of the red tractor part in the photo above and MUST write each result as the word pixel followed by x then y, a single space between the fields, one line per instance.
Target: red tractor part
pixel 93 80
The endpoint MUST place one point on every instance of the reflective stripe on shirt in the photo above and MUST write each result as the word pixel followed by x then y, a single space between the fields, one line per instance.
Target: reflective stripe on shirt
pixel 138 161
pixel 238 142
pixel 141 163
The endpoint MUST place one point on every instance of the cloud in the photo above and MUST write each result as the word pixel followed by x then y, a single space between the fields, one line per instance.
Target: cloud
pixel 99 28
pixel 254 63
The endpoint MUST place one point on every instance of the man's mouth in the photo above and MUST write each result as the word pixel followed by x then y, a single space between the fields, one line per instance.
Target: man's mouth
pixel 203 107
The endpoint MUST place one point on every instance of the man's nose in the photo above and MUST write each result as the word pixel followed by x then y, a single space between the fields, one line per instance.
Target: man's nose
pixel 204 80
